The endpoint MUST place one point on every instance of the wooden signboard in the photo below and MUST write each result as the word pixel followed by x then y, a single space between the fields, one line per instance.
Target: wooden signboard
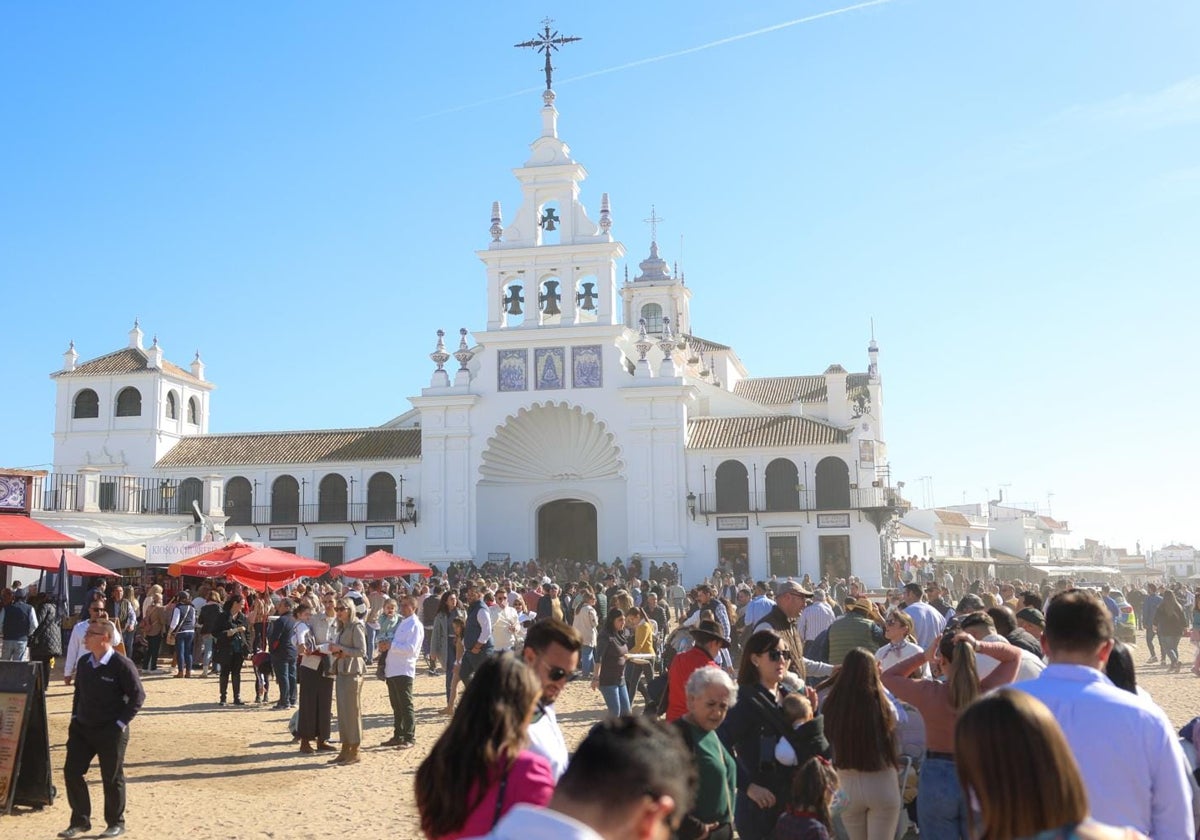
pixel 24 738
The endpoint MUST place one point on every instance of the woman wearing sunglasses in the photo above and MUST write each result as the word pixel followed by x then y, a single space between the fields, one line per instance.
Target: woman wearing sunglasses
pixel 753 728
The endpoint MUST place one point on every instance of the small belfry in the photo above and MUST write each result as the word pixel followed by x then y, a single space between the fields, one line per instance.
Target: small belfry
pixel 551 265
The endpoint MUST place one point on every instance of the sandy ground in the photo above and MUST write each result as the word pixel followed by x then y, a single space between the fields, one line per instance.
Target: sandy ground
pixel 197 771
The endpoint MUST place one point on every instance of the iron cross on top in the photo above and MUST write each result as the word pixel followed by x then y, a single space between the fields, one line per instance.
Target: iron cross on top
pixel 547 42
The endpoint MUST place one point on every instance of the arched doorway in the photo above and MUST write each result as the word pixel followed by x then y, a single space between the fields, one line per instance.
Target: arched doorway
pixel 567 528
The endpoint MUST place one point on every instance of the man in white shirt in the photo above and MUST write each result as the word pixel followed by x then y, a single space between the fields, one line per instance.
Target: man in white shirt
pixel 982 627
pixel 1130 759
pixel 816 618
pixel 552 652
pixel 75 645
pixel 505 621
pixel 400 668
pixel 624 782
pixel 928 623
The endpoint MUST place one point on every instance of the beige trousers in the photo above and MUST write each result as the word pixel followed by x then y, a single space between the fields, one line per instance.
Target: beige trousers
pixel 872 804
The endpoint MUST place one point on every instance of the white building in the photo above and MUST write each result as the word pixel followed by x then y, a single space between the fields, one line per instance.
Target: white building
pixel 584 420
pixel 1177 560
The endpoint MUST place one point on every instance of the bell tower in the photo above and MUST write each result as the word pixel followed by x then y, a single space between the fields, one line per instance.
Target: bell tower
pixel 551 265
pixel 655 295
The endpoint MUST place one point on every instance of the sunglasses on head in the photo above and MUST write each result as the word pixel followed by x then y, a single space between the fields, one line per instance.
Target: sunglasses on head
pixel 777 655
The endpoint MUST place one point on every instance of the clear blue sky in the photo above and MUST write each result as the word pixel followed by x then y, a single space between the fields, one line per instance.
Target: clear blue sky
pixel 1011 190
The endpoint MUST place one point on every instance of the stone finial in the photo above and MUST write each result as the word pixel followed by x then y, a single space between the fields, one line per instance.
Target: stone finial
pixel 463 354
pixel 154 356
pixel 135 335
pixel 70 358
pixel 439 355
pixel 198 367
pixel 497 228
pixel 605 214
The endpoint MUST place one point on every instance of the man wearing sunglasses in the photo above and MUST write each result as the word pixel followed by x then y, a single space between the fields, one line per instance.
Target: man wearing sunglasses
pixel 108 693
pixel 552 651
pixel 75 645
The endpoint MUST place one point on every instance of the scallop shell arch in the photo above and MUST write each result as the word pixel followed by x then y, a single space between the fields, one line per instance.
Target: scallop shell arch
pixel 551 442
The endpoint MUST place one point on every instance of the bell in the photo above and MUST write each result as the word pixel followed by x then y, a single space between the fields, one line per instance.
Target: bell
pixel 549 300
pixel 512 303
pixel 587 298
pixel 549 218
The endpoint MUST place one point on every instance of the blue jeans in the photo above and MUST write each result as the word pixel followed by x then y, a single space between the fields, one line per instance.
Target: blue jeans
pixel 371 631
pixel 941 810
pixel 206 646
pixel 183 650
pixel 285 676
pixel 16 651
pixel 587 660
pixel 616 697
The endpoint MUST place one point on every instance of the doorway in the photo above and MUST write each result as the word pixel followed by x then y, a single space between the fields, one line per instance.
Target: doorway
pixel 735 555
pixel 785 556
pixel 835 556
pixel 567 529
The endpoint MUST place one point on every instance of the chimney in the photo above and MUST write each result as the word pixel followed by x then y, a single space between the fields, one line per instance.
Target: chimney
pixel 154 356
pixel 70 358
pixel 135 336
pixel 835 395
pixel 198 367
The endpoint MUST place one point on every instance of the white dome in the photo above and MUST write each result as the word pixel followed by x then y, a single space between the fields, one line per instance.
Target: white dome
pixel 551 442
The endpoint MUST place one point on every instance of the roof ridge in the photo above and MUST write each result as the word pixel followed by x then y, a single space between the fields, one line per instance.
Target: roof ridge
pixel 305 432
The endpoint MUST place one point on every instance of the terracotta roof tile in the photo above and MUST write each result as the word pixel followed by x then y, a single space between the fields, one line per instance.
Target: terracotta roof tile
pixel 781 390
pixel 1052 524
pixel 703 345
pixel 774 430
pixel 952 517
pixel 294 447
pixel 127 360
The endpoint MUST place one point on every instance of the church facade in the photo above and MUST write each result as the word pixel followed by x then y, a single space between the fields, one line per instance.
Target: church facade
pixel 585 420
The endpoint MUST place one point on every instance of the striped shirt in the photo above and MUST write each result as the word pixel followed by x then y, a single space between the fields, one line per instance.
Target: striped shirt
pixel 815 620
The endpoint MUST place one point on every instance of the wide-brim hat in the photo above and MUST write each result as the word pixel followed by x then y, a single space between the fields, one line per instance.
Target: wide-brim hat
pixel 863 605
pixel 708 631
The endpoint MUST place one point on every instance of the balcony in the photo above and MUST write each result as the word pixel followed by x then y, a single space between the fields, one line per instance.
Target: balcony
pixel 801 501
pixel 115 494
pixel 320 514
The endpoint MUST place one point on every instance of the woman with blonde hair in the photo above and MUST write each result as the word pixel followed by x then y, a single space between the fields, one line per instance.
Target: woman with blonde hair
pixel 349 650
pixel 901 642
pixel 941 808
pixel 154 627
pixel 480 766
pixel 1014 761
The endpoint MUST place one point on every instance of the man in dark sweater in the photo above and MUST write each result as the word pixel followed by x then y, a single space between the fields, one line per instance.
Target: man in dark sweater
pixel 108 693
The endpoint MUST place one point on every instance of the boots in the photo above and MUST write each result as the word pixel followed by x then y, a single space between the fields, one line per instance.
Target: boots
pixel 351 756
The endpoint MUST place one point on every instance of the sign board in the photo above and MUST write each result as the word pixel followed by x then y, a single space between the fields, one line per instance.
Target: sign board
pixel 733 523
pixel 24 738
pixel 165 552
pixel 833 520
pixel 381 532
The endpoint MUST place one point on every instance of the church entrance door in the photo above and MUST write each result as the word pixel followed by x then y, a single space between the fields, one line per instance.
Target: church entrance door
pixel 567 528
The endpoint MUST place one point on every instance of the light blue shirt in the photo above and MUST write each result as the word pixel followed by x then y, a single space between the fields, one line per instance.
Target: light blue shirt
pixel 757 610
pixel 1131 761
pixel 928 623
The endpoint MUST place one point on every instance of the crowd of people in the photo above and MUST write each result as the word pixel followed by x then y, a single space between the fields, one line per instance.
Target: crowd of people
pixel 795 709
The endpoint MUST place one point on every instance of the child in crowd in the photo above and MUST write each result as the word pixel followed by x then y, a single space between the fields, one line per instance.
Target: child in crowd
pixel 797 711
pixel 808 815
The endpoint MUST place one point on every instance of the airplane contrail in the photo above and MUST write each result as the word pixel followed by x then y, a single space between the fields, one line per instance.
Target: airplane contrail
pixel 654 59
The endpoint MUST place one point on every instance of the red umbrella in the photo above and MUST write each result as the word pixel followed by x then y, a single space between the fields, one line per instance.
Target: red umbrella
pixel 381 564
pixel 49 560
pixel 258 568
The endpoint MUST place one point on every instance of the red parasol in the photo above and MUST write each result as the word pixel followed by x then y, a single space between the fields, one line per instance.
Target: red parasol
pixel 381 564
pixel 258 568
pixel 50 559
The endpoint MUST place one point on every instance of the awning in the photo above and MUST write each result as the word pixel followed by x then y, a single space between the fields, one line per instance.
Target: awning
pixel 381 564
pixel 1076 571
pixel 48 559
pixel 19 531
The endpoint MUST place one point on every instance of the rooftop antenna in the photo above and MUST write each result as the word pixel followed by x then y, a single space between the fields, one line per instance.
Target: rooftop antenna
pixel 872 329
pixel 679 272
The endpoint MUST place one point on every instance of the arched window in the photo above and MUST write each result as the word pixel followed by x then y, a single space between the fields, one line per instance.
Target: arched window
pixel 285 501
pixel 381 498
pixel 239 497
pixel 652 314
pixel 193 411
pixel 782 480
pixel 733 488
pixel 833 484
pixel 172 406
pixel 87 404
pixel 331 499
pixel 129 403
pixel 190 490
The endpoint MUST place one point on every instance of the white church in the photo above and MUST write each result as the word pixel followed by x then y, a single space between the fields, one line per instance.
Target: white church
pixel 584 420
